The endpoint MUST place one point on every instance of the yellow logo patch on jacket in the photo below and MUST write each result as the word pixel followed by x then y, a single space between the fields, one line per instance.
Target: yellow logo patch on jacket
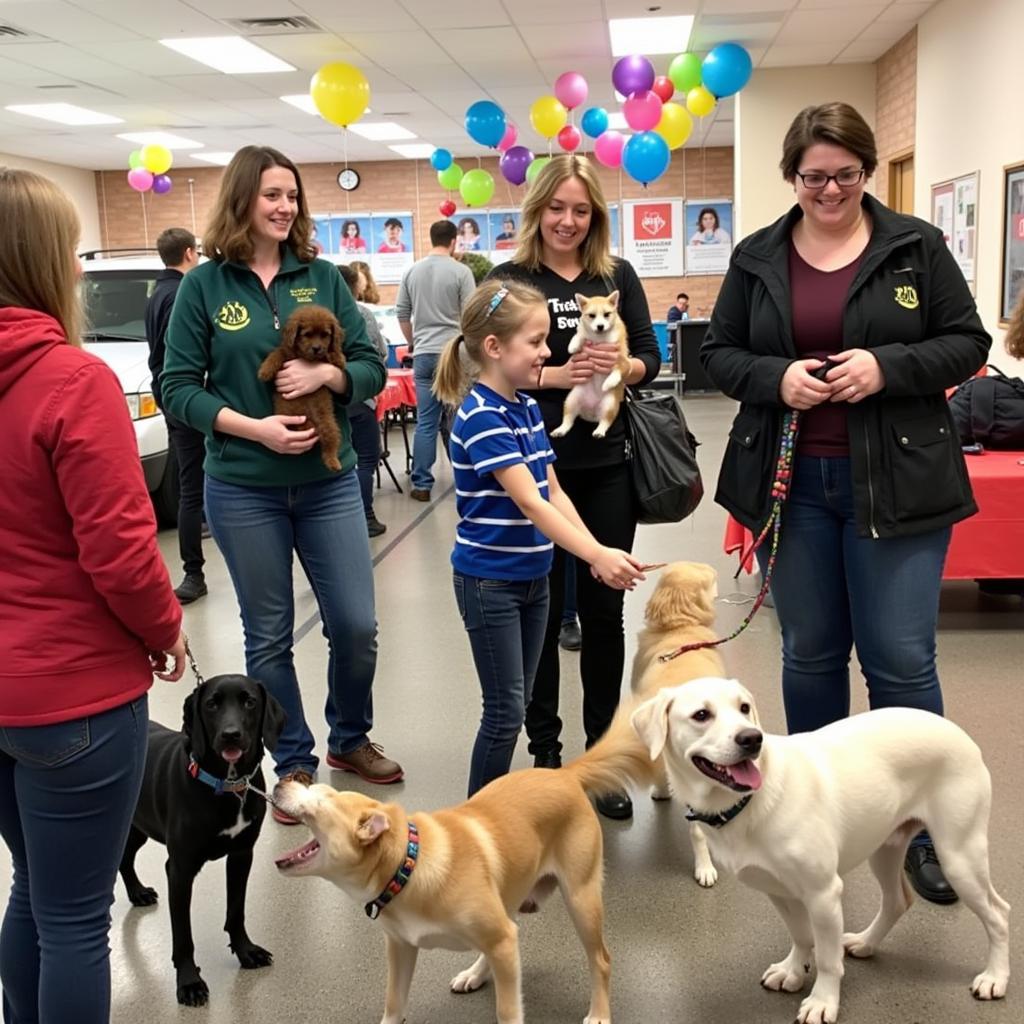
pixel 906 296
pixel 233 316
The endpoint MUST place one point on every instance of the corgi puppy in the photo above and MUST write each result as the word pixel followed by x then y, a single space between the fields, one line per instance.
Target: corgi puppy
pixel 597 400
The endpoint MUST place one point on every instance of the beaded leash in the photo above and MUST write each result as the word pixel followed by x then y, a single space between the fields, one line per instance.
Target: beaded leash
pixel 780 491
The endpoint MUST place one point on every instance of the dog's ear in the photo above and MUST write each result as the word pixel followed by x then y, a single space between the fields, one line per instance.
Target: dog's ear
pixel 290 335
pixel 274 717
pixel 650 721
pixel 614 299
pixel 372 825
pixel 192 722
pixel 581 301
pixel 337 336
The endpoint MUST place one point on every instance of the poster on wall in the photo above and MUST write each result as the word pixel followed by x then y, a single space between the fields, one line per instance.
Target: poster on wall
pixel 504 233
pixel 615 228
pixel 955 214
pixel 653 236
pixel 942 211
pixel 708 235
pixel 384 240
pixel 1013 239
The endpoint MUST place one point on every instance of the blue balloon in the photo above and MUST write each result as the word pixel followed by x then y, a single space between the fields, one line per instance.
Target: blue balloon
pixel 646 157
pixel 595 121
pixel 726 69
pixel 485 123
pixel 441 159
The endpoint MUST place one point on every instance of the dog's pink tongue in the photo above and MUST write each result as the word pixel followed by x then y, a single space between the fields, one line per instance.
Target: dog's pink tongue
pixel 746 774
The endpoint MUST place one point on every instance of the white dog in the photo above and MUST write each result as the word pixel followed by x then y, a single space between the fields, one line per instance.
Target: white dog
pixel 790 815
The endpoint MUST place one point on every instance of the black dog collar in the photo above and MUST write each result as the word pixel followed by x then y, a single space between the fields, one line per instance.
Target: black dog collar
pixel 401 876
pixel 720 819
pixel 219 786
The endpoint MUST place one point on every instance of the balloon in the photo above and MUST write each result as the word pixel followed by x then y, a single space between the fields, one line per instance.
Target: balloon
pixel 441 159
pixel 135 158
pixel 608 148
pixel 140 179
pixel 632 74
pixel 645 157
pixel 536 167
pixel 675 125
pixel 642 110
pixel 699 101
pixel 726 69
pixel 663 88
pixel 569 138
pixel 476 187
pixel 447 208
pixel 685 71
pixel 450 177
pixel 340 92
pixel 508 140
pixel 595 121
pixel 571 89
pixel 485 123
pixel 156 159
pixel 514 163
pixel 162 184
pixel 547 116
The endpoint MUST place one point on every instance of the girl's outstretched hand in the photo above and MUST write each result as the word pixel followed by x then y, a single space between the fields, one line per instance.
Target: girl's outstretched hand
pixel 617 569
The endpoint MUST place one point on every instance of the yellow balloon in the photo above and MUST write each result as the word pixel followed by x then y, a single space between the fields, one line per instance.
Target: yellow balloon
pixel 548 116
pixel 675 125
pixel 340 92
pixel 156 159
pixel 700 102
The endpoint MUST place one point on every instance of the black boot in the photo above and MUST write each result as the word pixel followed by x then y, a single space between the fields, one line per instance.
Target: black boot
pixel 191 588
pixel 617 806
pixel 548 759
pixel 926 874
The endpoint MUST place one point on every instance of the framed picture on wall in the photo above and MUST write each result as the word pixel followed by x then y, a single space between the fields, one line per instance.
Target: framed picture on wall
pixel 955 214
pixel 1013 239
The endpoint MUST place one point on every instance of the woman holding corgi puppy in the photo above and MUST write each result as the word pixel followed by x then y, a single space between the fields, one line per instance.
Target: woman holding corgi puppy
pixel 512 511
pixel 565 252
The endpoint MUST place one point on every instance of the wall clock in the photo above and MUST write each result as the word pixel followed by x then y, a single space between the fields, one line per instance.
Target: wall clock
pixel 348 179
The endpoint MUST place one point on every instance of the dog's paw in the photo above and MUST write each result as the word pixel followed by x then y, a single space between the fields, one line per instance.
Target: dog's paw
pixel 471 978
pixel 560 431
pixel 661 792
pixel 144 896
pixel 782 977
pixel 815 1010
pixel 989 985
pixel 252 957
pixel 706 875
pixel 600 431
pixel 529 906
pixel 856 945
pixel 596 1020
pixel 193 992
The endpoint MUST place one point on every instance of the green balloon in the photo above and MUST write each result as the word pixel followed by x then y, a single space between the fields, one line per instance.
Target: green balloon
pixel 135 158
pixel 536 166
pixel 476 187
pixel 684 71
pixel 450 177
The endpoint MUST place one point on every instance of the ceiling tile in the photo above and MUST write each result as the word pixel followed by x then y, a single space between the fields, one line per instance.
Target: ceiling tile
pixel 798 55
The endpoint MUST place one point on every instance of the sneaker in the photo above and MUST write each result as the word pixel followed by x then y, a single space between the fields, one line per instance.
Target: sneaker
pixel 569 636
pixel 368 762
pixel 303 778
pixel 418 494
pixel 191 588
pixel 374 527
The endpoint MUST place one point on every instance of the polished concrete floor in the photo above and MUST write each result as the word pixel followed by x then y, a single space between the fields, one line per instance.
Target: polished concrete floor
pixel 679 953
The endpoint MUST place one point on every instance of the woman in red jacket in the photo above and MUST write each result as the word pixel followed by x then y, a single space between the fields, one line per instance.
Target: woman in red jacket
pixel 86 612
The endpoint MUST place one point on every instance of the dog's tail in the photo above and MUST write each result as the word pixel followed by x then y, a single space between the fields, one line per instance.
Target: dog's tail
pixel 619 758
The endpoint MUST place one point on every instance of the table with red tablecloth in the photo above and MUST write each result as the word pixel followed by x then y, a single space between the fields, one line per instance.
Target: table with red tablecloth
pixel 393 407
pixel 989 545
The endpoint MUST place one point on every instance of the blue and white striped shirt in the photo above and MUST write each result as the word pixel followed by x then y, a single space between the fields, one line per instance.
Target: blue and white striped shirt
pixel 494 540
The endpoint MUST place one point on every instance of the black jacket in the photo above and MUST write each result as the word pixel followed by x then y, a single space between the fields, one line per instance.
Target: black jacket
pixel 158 316
pixel 908 304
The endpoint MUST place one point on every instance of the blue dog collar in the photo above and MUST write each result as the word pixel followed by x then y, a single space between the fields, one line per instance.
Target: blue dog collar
pixel 219 786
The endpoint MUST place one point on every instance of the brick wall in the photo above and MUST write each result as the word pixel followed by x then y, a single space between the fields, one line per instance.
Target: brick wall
pixel 128 219
pixel 896 111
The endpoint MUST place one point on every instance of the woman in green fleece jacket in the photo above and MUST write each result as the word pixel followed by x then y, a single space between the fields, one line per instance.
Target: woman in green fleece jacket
pixel 268 493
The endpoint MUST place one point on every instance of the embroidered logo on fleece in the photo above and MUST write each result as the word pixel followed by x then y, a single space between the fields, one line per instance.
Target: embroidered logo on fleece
pixel 233 316
pixel 906 296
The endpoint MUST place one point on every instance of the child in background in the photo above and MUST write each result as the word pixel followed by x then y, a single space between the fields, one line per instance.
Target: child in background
pixel 511 508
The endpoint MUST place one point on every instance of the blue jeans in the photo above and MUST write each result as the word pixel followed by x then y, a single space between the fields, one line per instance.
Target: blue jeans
pixel 428 421
pixel 506 621
pixel 67 795
pixel 257 529
pixel 833 589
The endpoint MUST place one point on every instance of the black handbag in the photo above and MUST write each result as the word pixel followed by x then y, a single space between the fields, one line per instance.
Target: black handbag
pixel 990 411
pixel 660 453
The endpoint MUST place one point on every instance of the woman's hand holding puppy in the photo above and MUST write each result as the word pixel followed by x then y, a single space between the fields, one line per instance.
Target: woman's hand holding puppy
pixel 298 377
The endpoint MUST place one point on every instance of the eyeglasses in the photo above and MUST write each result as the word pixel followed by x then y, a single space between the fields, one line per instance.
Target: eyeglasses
pixel 844 179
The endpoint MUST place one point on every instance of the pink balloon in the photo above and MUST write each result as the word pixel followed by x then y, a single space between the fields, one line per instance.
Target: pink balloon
pixel 571 89
pixel 642 110
pixel 608 148
pixel 569 138
pixel 140 179
pixel 508 140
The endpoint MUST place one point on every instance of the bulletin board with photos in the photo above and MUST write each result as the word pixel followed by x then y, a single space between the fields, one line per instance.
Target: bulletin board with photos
pixel 384 239
pixel 955 213
pixel 1013 240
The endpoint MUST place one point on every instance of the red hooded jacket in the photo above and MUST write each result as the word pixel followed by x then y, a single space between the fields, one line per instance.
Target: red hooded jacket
pixel 84 592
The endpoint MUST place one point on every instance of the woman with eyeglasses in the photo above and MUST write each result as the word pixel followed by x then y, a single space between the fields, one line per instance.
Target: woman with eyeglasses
pixel 859 318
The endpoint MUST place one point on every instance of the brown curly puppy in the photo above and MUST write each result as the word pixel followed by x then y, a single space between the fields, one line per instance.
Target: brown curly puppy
pixel 314 334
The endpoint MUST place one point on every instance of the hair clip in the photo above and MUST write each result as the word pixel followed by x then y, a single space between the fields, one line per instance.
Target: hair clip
pixel 496 300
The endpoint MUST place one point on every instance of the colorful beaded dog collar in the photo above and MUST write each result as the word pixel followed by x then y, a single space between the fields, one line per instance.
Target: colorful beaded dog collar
pixel 401 876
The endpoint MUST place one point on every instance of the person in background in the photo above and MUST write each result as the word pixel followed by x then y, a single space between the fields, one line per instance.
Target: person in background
pixel 392 236
pixel 506 238
pixel 88 617
pixel 351 240
pixel 368 290
pixel 569 636
pixel 826 312
pixel 1014 339
pixel 679 310
pixel 469 235
pixel 510 507
pixel 430 300
pixel 564 249
pixel 268 494
pixel 363 419
pixel 709 231
pixel 177 249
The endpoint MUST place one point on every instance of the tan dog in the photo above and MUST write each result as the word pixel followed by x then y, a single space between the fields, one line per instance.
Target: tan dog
pixel 311 333
pixel 597 400
pixel 680 611
pixel 504 849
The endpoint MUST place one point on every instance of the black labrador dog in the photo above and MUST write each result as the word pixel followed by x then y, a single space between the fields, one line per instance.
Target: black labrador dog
pixel 195 800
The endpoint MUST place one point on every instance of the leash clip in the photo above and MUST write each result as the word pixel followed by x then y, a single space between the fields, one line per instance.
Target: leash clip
pixel 192 665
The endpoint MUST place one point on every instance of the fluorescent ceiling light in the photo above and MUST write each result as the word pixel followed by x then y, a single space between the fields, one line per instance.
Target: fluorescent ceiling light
pixel 305 103
pixel 64 113
pixel 167 139
pixel 650 35
pixel 223 159
pixel 381 131
pixel 414 150
pixel 617 121
pixel 231 54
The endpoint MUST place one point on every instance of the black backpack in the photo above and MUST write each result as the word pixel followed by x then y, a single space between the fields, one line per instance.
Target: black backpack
pixel 990 411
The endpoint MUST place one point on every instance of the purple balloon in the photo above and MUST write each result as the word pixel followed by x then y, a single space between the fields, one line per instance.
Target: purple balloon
pixel 161 184
pixel 513 164
pixel 633 74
